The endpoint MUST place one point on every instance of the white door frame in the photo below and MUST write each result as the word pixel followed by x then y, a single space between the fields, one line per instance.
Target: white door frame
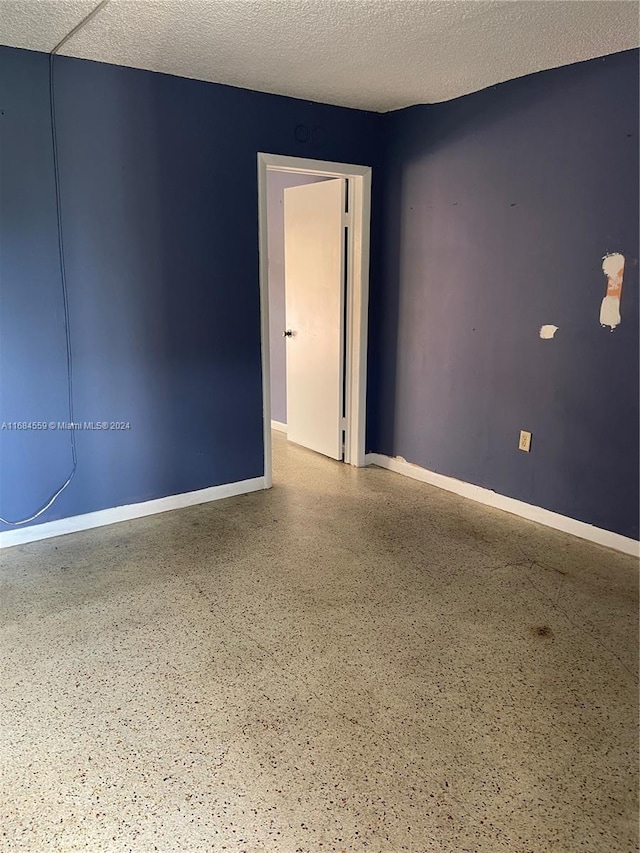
pixel 358 221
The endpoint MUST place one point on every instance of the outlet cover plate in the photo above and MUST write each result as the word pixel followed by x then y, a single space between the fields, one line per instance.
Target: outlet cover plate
pixel 525 441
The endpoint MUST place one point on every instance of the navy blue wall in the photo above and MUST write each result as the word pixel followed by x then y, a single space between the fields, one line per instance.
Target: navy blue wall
pixel 498 208
pixel 159 198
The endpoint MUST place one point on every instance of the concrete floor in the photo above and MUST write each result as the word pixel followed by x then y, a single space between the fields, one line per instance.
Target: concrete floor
pixel 351 662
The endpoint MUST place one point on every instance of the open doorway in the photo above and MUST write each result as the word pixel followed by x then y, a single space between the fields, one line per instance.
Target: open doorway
pixel 322 213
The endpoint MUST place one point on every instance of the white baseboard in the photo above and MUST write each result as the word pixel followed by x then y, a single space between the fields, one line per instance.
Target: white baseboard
pixel 125 513
pixel 279 426
pixel 515 507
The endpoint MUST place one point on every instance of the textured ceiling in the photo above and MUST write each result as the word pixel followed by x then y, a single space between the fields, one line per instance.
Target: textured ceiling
pixel 40 24
pixel 372 54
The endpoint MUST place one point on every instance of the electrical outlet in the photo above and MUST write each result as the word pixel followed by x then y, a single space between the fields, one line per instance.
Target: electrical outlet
pixel 525 441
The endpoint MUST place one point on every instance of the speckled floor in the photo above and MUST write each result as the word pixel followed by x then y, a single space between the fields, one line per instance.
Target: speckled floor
pixel 351 662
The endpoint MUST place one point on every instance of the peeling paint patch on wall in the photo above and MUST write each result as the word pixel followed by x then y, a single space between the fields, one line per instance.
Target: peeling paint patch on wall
pixel 613 268
pixel 547 332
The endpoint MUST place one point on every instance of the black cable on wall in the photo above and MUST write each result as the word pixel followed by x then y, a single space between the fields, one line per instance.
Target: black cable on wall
pixel 63 275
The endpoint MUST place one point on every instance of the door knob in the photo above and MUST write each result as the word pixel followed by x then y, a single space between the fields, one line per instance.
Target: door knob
pixel 287 334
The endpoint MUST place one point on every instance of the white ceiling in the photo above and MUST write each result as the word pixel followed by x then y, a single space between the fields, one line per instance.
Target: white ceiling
pixel 373 54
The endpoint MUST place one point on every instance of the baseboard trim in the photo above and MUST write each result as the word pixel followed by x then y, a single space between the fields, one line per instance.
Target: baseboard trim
pixel 515 507
pixel 75 523
pixel 279 426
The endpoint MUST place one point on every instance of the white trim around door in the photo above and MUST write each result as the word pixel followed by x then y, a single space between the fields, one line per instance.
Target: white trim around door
pixel 358 222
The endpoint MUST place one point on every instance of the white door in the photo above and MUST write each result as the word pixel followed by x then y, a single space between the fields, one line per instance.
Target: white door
pixel 314 293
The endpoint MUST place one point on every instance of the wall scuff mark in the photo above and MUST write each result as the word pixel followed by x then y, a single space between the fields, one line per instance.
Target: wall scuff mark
pixel 613 268
pixel 547 332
